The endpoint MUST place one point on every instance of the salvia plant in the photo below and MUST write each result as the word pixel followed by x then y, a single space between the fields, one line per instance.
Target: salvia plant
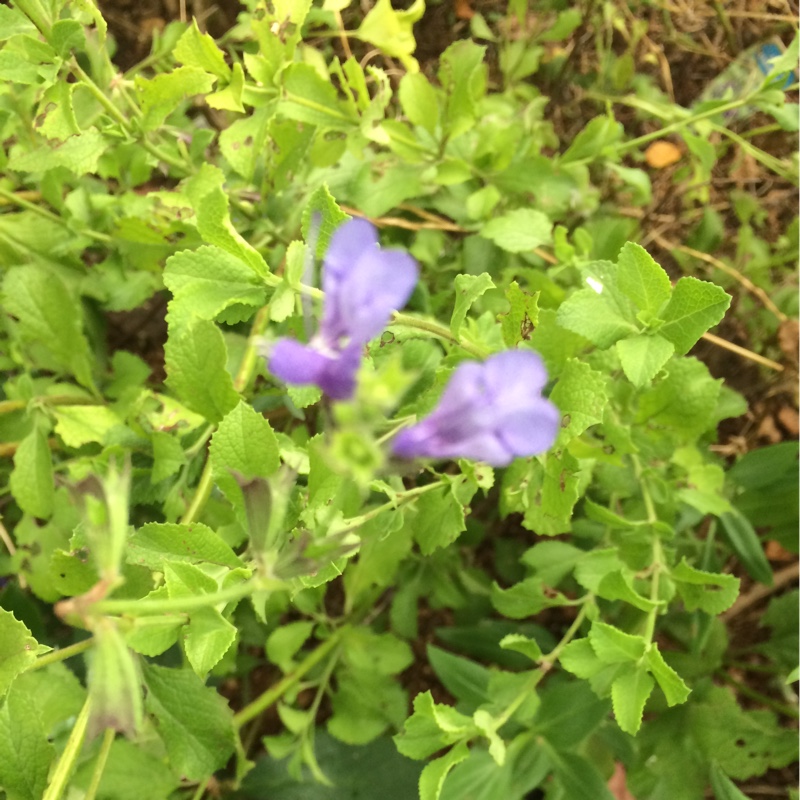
pixel 425 455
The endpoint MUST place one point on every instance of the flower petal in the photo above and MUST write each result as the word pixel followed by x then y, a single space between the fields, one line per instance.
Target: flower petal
pixel 349 242
pixel 301 364
pixel 530 431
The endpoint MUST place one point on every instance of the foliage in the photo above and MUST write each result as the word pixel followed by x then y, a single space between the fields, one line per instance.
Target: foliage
pixel 208 533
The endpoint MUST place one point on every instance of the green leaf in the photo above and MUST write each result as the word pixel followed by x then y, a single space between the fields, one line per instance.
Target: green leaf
pixel 522 317
pixel 432 778
pixel 724 788
pixel 613 646
pixel 50 317
pixel 12 22
pixel 230 98
pixel 708 591
pixel 196 359
pixel 683 400
pixel 673 686
pixel 31 481
pixel 431 727
pixel 130 773
pixel 194 722
pixel 643 356
pixel 629 693
pixel 463 678
pixel 595 140
pixel 25 752
pixel 522 644
pixel 569 712
pixel 151 636
pixel 158 543
pixel 579 658
pixel 206 281
pixel 79 425
pixel 207 638
pixel 744 541
pixel 524 599
pixel 641 280
pixel 159 96
pixel 597 316
pixel 462 74
pixel 79 154
pixel 519 231
pixel 617 586
pixel 322 206
pixel 207 196
pixel 15 69
pixel 243 142
pixel 552 492
pixel 242 448
pixel 695 306
pixel 392 31
pixel 168 456
pixel 468 288
pixel 307 97
pixel 195 49
pixel 18 649
pixel 439 516
pixel 580 779
pixel 419 101
pixel 284 642
pixel 581 396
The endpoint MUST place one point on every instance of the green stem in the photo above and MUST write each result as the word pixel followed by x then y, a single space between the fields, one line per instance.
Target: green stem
pixel 66 762
pixel 143 608
pixel 271 696
pixel 9 406
pixel 15 199
pixel 100 764
pixel 752 694
pixel 437 329
pixel 54 656
pixel 201 494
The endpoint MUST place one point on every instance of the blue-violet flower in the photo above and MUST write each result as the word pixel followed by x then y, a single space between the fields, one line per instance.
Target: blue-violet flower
pixel 491 411
pixel 363 285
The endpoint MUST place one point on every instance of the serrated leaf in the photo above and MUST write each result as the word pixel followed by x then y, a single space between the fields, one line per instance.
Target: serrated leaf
pixel 31 481
pixel 168 455
pixel 519 231
pixel 641 280
pixel 430 728
pixel 617 586
pixel 695 306
pixel 207 638
pixel 230 98
pixel 243 444
pixel 643 356
pixel 18 649
pixel 684 400
pixel 206 281
pixel 419 101
pixel 243 141
pixel 614 646
pixel 439 516
pixel 391 30
pixel 79 154
pixel 160 95
pixel 194 722
pixel 322 210
pixel 157 543
pixel 205 190
pixel 432 778
pixel 25 752
pixel 284 642
pixel 196 359
pixel 579 658
pixel 522 316
pixel 79 425
pixel 468 288
pixel 196 49
pixel 524 599
pixel 581 395
pixel 629 693
pixel 596 316
pixel 49 316
pixel 307 97
pixel 709 591
pixel 553 490
pixel 522 644
pixel 673 686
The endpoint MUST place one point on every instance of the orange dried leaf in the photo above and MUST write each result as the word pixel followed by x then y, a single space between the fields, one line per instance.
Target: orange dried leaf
pixel 661 154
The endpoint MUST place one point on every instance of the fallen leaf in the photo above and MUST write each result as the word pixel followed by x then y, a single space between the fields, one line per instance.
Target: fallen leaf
pixel 661 154
pixel 617 784
pixel 788 339
pixel 777 552
pixel 463 9
pixel 788 417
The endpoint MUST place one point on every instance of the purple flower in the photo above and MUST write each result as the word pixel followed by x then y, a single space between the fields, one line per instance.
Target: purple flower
pixel 491 411
pixel 363 285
